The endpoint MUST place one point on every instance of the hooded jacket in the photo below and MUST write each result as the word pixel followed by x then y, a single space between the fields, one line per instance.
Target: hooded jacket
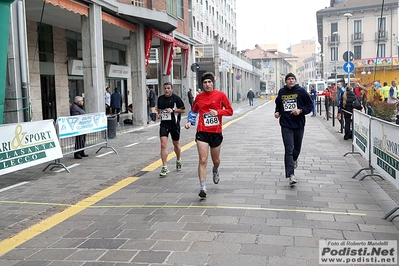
pixel 293 98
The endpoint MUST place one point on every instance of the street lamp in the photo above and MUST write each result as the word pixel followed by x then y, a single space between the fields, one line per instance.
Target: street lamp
pixel 348 15
pixel 325 48
pixel 335 33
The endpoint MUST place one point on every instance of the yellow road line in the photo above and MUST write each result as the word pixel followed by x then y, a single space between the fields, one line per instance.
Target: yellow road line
pixel 186 207
pixel 27 234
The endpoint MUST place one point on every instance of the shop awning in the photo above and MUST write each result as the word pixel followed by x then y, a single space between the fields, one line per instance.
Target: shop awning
pixel 75 7
pixel 118 22
pixel 82 9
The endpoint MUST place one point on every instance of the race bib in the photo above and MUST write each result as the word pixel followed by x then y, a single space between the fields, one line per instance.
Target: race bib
pixel 289 105
pixel 166 116
pixel 210 120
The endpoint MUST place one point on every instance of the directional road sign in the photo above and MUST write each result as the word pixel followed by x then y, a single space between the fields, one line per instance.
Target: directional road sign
pixel 348 67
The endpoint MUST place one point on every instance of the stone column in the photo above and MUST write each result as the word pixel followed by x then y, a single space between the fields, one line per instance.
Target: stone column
pixel 138 76
pixel 93 60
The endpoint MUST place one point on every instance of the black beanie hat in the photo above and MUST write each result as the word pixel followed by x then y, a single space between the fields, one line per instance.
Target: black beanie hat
pixel 208 76
pixel 289 75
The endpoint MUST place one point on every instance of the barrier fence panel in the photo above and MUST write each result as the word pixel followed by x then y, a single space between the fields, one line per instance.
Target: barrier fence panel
pixel 378 142
pixel 27 144
pixel 92 127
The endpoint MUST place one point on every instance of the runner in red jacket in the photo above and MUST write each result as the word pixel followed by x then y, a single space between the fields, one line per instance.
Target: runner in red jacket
pixel 209 107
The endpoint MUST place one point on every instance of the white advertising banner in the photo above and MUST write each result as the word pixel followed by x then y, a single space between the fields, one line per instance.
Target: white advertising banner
pixel 27 144
pixel 385 149
pixel 361 133
pixel 69 126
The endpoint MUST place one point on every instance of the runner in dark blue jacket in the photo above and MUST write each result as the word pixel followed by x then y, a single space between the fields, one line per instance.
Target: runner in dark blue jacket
pixel 292 104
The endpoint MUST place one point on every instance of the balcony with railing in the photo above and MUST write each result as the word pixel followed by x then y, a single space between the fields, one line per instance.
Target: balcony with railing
pixel 381 36
pixel 357 37
pixel 139 3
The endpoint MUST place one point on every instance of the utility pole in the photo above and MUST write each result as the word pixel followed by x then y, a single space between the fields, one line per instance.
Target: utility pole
pixel 4 27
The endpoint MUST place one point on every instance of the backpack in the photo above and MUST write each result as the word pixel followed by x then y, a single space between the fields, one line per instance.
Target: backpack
pixel 128 122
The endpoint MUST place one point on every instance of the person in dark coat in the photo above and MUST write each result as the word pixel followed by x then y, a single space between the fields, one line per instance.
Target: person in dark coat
pixel 346 104
pixel 251 96
pixel 116 103
pixel 80 141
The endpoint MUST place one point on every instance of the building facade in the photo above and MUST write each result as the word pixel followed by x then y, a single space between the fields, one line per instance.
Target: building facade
pixel 62 48
pixel 366 30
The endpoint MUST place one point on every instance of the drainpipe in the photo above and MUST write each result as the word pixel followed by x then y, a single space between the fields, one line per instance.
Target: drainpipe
pixel 23 62
pixel 4 28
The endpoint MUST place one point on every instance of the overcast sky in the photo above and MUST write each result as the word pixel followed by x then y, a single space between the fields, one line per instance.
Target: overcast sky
pixel 283 22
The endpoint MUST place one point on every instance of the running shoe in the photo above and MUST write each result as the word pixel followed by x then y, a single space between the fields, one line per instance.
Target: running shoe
pixel 292 180
pixel 216 178
pixel 202 194
pixel 164 171
pixel 178 166
pixel 296 164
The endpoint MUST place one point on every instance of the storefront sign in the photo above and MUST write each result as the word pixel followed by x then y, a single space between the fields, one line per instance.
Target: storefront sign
pixel 27 144
pixel 75 67
pixel 70 126
pixel 115 71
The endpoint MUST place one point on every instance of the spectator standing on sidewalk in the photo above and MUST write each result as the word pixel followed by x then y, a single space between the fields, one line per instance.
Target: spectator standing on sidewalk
pixel 107 101
pixel 340 91
pixel 385 91
pixel 393 92
pixel 346 110
pixel 313 95
pixel 327 101
pixel 209 106
pixel 152 99
pixel 170 108
pixel 251 96
pixel 292 104
pixel 80 141
pixel 116 103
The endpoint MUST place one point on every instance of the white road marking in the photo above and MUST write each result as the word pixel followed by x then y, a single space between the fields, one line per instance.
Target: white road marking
pixel 13 186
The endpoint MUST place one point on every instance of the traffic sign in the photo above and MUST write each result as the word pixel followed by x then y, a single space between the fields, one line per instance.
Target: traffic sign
pixel 345 56
pixel 195 67
pixel 348 67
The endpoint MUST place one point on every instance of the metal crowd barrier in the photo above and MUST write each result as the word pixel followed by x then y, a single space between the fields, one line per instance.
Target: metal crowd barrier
pixel 378 142
pixel 95 136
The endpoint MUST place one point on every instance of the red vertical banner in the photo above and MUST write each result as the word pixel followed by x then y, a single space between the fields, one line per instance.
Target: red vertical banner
pixel 147 46
pixel 168 51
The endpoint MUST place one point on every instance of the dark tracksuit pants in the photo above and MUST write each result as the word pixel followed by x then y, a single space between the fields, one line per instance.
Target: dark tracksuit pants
pixel 292 139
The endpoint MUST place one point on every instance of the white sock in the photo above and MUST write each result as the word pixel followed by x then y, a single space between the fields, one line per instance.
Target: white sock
pixel 203 185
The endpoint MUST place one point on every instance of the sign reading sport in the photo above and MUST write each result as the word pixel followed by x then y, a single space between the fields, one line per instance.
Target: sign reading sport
pixel 26 144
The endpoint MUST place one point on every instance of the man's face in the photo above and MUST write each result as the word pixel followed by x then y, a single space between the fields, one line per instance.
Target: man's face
pixel 290 82
pixel 393 83
pixel 339 85
pixel 207 84
pixel 168 90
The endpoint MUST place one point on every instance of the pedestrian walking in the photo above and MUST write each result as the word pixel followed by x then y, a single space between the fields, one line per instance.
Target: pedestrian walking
pixel 209 106
pixel 170 108
pixel 292 104
pixel 80 141
pixel 251 96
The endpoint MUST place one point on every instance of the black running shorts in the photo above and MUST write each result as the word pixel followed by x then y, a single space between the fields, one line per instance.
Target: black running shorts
pixel 213 139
